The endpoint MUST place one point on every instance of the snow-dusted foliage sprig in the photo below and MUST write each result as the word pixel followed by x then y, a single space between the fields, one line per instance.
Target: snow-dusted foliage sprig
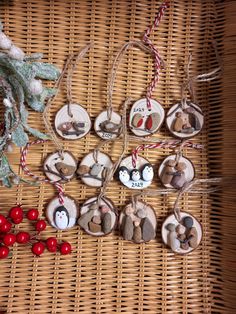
pixel 22 88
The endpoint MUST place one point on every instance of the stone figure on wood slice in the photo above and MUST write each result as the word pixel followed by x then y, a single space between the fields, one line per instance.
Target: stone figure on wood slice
pixel 72 122
pixel 138 177
pixel 175 171
pixel 138 222
pixel 185 121
pixel 94 169
pixel 108 127
pixel 98 218
pixel 60 166
pixel 145 121
pixel 62 216
pixel 182 236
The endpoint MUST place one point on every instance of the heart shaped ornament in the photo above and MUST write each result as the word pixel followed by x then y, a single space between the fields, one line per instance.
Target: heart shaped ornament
pixel 185 121
pixel 92 171
pixel 64 216
pixel 74 126
pixel 182 236
pixel 108 128
pixel 144 121
pixel 174 172
pixel 138 177
pixel 60 167
pixel 98 218
pixel 138 223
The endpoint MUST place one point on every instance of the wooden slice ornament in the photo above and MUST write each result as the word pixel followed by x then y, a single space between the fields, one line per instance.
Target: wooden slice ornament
pixel 143 120
pixel 138 177
pixel 93 168
pixel 98 218
pixel 175 171
pixel 108 128
pixel 72 124
pixel 182 236
pixel 60 166
pixel 138 223
pixel 185 121
pixel 64 216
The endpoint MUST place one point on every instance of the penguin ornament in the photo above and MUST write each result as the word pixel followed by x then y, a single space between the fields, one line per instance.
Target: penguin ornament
pixel 61 217
pixel 138 177
pixel 64 216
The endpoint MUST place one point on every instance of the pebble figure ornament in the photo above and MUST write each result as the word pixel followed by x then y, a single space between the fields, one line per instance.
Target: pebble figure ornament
pixel 137 222
pixel 182 233
pixel 147 115
pixel 72 121
pixel 98 217
pixel 60 166
pixel 136 174
pixel 185 119
pixel 93 168
pixel 175 171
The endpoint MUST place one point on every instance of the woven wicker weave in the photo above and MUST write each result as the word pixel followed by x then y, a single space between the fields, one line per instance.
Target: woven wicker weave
pixel 109 275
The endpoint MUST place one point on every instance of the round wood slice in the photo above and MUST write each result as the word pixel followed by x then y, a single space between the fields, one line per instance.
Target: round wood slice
pixel 125 173
pixel 149 212
pixel 101 118
pixel 189 132
pixel 52 161
pixel 103 160
pixel 62 218
pixel 97 212
pixel 189 171
pixel 171 219
pixel 148 121
pixel 80 116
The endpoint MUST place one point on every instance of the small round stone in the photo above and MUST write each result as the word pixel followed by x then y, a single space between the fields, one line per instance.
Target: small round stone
pixel 180 229
pixel 188 222
pixel 137 223
pixel 141 213
pixel 104 209
pixel 83 169
pixel 96 219
pixel 170 227
pixel 129 210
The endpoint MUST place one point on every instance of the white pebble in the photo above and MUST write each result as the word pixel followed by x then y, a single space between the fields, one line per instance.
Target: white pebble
pixel 16 53
pixel 7 103
pixel 36 87
pixel 5 42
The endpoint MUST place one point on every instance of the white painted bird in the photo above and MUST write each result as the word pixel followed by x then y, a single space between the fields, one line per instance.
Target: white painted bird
pixel 147 172
pixel 135 175
pixel 124 175
pixel 61 217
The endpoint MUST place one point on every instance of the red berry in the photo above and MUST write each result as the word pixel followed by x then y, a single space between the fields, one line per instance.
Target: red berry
pixel 17 221
pixel 40 225
pixel 9 239
pixel 4 251
pixel 32 214
pixel 2 219
pixel 38 248
pixel 65 248
pixel 16 212
pixel 5 227
pixel 22 237
pixel 51 244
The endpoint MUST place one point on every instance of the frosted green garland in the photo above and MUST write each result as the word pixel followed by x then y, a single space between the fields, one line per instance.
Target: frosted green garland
pixel 20 86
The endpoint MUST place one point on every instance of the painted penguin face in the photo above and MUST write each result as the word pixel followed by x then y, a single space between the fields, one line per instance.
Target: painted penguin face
pixel 124 174
pixel 147 173
pixel 61 217
pixel 135 175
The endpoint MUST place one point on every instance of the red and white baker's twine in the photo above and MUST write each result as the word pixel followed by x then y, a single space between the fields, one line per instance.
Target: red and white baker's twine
pixel 156 55
pixel 24 152
pixel 162 144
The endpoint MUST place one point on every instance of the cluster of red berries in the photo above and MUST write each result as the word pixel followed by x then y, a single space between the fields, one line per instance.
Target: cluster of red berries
pixel 8 238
